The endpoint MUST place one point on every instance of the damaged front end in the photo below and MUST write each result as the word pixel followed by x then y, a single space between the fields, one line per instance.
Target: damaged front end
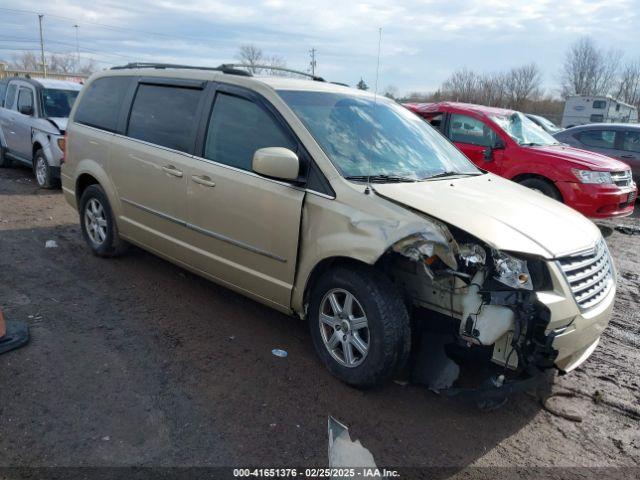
pixel 473 298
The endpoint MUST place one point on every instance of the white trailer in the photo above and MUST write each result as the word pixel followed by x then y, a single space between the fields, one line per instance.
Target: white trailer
pixel 580 110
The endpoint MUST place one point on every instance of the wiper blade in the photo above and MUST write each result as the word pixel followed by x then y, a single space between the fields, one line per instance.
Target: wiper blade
pixel 381 178
pixel 451 174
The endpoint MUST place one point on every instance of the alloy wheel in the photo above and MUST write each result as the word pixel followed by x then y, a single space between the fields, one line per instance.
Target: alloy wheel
pixel 344 327
pixel 95 221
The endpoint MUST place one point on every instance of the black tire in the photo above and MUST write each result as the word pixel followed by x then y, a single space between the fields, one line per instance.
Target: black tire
pixel 542 186
pixel 4 160
pixel 111 245
pixel 389 331
pixel 46 179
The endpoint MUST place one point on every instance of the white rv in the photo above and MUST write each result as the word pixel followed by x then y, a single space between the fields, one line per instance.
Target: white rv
pixel 580 110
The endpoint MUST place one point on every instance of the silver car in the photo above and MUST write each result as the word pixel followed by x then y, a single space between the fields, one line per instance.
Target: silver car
pixel 33 120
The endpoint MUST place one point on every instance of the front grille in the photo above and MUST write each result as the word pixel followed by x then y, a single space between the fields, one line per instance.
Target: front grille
pixel 590 274
pixel 622 179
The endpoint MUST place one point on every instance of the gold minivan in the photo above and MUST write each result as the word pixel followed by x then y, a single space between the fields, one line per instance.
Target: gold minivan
pixel 336 206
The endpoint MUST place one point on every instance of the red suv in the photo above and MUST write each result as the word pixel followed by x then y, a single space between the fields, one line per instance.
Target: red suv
pixel 508 144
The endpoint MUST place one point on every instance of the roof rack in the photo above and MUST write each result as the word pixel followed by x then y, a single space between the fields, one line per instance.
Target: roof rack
pixel 221 68
pixel 229 68
pixel 235 66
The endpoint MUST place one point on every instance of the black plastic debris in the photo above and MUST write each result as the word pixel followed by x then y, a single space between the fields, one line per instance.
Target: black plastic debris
pixel 628 229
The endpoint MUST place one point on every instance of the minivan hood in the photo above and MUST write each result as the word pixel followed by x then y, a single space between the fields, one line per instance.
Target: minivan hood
pixel 591 160
pixel 505 215
pixel 59 122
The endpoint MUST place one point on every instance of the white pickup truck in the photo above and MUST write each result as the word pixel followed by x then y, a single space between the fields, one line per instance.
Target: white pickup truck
pixel 33 119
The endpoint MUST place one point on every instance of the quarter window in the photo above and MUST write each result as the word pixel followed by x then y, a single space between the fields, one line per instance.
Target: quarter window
pixel 165 115
pixel 25 98
pixel 100 104
pixel 598 138
pixel 464 129
pixel 237 128
pixel 631 141
pixel 599 104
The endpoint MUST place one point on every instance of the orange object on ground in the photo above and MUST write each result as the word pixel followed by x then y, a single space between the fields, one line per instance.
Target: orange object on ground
pixel 3 325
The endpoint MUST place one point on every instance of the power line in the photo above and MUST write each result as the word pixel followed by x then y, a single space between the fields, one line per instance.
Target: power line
pixel 103 25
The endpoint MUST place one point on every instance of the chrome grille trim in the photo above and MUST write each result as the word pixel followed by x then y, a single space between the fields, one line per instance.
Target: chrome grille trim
pixel 590 274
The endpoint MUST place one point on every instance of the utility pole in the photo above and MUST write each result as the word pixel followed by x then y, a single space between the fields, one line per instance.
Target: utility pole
pixel 313 63
pixel 77 50
pixel 44 62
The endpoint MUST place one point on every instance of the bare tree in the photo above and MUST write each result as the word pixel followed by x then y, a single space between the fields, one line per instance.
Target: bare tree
pixel 26 61
pixel 522 85
pixel 629 83
pixel 589 70
pixel 88 67
pixel 61 63
pixel 251 56
pixel 391 91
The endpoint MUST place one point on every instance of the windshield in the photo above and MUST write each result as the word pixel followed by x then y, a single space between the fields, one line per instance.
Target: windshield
pixel 364 137
pixel 58 103
pixel 523 130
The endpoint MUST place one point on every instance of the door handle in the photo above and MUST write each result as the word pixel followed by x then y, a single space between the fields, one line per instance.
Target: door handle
pixel 627 156
pixel 203 180
pixel 171 170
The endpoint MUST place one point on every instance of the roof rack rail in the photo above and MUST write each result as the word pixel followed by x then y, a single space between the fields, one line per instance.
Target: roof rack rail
pixel 273 68
pixel 229 68
pixel 221 68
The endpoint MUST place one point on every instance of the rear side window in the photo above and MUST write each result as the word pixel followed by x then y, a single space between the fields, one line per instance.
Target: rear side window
pixel 165 115
pixel 237 128
pixel 596 118
pixel 11 96
pixel 100 104
pixel 631 141
pixel 25 98
pixel 599 104
pixel 598 138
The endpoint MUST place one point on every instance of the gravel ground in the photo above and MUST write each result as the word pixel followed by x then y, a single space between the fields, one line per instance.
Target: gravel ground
pixel 134 361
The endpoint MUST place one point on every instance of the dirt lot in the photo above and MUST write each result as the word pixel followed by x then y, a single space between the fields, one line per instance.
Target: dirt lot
pixel 134 361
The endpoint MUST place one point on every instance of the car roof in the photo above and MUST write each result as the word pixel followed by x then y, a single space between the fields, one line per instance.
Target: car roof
pixel 457 106
pixel 600 126
pixel 50 83
pixel 272 82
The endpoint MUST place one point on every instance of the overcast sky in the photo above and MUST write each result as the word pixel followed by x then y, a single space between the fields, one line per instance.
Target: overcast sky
pixel 422 41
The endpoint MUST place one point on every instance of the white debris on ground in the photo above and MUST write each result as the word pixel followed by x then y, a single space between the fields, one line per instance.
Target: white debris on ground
pixel 51 244
pixel 345 453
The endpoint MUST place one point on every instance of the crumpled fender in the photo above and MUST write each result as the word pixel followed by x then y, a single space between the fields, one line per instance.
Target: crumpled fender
pixel 364 228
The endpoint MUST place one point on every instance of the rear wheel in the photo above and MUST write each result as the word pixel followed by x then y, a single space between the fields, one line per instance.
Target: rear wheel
pixel 359 325
pixel 98 224
pixel 543 186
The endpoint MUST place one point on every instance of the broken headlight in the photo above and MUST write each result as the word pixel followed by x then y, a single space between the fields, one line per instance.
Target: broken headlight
pixel 511 271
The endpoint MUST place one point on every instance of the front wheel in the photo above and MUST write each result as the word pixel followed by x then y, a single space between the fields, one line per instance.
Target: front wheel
pixel 359 325
pixel 42 171
pixel 542 186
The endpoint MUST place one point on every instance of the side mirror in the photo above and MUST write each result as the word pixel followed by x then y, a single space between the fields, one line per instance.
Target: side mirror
pixel 499 145
pixel 26 110
pixel 276 162
pixel 487 154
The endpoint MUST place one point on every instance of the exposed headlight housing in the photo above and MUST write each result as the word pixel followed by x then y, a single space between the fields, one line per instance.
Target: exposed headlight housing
pixel 591 176
pixel 511 271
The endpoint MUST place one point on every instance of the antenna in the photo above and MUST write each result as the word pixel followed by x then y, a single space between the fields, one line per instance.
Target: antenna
pixel 375 94
pixel 367 190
